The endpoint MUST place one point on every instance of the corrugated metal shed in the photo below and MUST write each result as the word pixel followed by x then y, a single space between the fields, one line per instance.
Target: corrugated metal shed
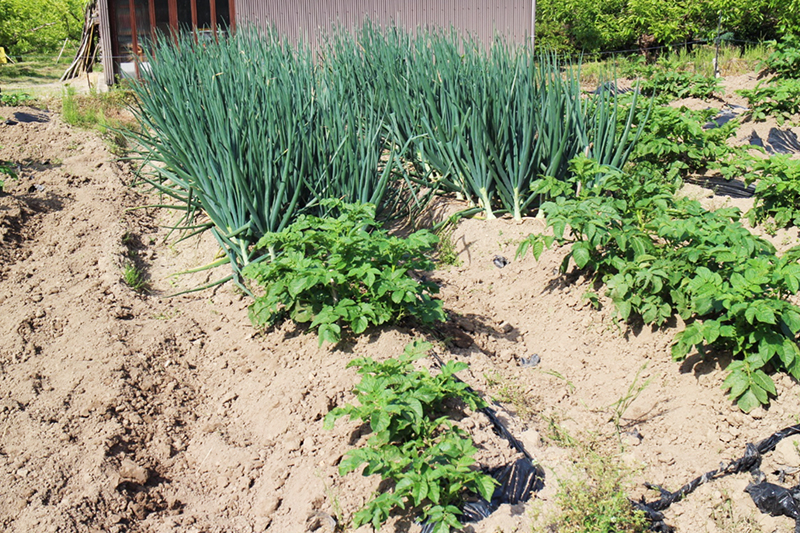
pixel 309 19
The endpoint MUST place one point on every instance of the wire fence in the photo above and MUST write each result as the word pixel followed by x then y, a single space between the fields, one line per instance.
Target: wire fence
pixel 43 56
pixel 67 58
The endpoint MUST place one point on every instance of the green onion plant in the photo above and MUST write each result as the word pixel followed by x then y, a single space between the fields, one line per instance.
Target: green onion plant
pixel 249 132
pixel 246 132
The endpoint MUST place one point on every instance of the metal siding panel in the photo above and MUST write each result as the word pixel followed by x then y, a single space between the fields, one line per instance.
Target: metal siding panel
pixel 308 18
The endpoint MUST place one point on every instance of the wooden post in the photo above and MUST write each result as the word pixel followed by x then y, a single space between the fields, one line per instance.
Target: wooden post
pixel 152 7
pixel 134 37
pixel 62 50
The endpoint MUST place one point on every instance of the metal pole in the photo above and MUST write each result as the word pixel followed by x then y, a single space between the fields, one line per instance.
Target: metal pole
pixel 533 25
pixel 716 43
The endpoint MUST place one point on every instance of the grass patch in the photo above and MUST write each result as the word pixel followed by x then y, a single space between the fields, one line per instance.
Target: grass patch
pixel 446 253
pixel 105 112
pixel 732 61
pixel 36 69
pixel 96 110
pixel 594 499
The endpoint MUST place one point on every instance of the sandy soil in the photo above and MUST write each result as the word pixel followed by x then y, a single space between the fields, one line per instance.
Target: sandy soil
pixel 137 412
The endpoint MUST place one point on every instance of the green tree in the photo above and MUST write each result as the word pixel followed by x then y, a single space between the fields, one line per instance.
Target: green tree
pixel 591 26
pixel 787 15
pixel 39 25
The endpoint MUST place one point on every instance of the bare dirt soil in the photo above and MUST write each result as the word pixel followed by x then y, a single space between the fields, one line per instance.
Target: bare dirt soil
pixel 122 411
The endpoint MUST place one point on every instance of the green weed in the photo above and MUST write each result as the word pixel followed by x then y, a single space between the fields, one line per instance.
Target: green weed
pixel 556 434
pixel 167 315
pixel 594 500
pixel 446 253
pixel 509 391
pixel 728 520
pixel 6 170
pixel 592 495
pixel 134 277
pixel 332 494
pixel 559 375
pixel 619 407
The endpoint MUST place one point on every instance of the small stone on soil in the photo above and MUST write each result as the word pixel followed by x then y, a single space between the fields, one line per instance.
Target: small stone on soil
pixel 130 471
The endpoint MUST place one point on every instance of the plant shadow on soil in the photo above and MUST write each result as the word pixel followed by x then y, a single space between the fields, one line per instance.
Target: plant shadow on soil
pixel 28 206
pixel 648 416
pixel 703 364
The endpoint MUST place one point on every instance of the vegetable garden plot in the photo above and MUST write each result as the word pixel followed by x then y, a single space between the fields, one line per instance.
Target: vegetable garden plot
pixel 456 141
pixel 185 390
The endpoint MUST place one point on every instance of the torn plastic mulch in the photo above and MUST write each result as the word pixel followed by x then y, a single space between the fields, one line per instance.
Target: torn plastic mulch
pixel 735 188
pixel 612 88
pixel 778 142
pixel 768 497
pixel 783 141
pixel 725 115
pixel 775 500
pixel 516 481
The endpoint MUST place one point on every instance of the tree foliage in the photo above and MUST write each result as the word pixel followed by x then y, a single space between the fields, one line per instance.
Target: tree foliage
pixel 39 25
pixel 590 26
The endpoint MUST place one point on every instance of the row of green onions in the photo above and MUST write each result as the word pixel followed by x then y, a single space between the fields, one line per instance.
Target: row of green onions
pixel 251 131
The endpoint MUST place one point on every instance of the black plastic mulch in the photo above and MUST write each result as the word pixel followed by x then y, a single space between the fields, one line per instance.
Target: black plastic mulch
pixel 768 497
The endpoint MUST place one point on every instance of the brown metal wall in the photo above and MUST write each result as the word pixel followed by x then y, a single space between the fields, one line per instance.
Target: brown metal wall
pixel 308 18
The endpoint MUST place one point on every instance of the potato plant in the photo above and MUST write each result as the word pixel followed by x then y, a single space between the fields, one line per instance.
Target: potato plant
pixel 660 256
pixel 675 139
pixel 780 98
pixel 784 61
pixel 414 443
pixel 777 191
pixel 672 84
pixel 343 271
